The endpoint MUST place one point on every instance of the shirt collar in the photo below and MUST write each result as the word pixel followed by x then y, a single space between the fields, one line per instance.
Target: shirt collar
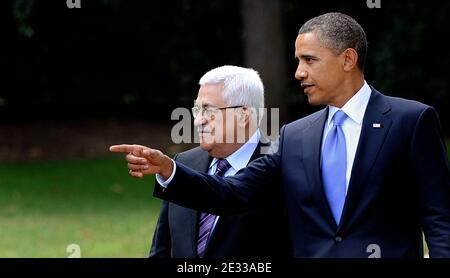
pixel 240 158
pixel 355 107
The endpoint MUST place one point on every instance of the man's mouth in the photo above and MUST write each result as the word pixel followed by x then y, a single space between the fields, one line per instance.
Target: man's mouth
pixel 203 132
pixel 205 136
pixel 306 87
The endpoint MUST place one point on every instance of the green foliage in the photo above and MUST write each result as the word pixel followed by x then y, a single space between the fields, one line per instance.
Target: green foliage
pixel 21 11
pixel 115 57
pixel 118 58
pixel 94 203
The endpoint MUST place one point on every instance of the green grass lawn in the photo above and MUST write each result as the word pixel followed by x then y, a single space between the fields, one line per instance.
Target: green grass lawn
pixel 44 207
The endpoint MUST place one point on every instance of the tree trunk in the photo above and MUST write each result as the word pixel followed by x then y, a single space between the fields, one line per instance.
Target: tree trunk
pixel 264 50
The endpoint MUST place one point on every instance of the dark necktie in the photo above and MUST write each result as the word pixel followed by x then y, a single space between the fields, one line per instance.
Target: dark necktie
pixel 207 220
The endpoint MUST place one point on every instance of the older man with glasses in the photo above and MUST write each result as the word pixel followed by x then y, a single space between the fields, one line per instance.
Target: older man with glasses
pixel 227 113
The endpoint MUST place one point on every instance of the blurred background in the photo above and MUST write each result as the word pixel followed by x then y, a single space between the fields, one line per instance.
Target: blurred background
pixel 78 80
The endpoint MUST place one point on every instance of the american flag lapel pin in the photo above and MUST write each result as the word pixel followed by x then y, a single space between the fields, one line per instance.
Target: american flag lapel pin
pixel 376 125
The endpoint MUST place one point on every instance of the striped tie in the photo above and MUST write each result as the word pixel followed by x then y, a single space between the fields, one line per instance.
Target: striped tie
pixel 207 220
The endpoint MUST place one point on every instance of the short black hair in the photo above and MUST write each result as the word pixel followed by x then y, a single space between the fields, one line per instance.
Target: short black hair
pixel 338 31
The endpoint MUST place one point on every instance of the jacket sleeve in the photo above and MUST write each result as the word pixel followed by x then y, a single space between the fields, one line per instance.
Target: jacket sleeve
pixel 248 189
pixel 432 173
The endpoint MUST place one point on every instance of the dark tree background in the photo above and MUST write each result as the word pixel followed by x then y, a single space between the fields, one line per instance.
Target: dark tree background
pixel 140 59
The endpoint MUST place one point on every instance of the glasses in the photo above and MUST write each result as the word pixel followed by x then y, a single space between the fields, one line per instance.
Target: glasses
pixel 209 112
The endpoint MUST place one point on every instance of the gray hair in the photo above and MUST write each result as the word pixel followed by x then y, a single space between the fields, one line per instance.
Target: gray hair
pixel 338 32
pixel 242 86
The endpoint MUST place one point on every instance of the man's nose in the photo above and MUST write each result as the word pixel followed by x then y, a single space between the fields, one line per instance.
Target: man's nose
pixel 300 73
pixel 199 120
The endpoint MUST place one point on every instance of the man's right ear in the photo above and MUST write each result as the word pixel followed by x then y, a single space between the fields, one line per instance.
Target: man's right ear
pixel 244 116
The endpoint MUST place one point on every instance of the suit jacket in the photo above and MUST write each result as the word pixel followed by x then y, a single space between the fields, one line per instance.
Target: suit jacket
pixel 244 235
pixel 399 185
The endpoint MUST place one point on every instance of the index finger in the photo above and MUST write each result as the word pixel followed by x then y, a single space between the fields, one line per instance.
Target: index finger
pixel 124 148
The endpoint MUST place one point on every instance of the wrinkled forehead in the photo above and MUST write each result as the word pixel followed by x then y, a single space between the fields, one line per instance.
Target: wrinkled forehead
pixel 210 95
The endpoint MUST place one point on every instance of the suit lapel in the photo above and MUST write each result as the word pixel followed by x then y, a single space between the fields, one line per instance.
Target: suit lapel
pixel 374 129
pixel 311 151
pixel 199 163
pixel 224 221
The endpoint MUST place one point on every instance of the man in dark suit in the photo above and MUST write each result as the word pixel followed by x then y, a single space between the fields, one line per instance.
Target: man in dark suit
pixel 228 103
pixel 363 177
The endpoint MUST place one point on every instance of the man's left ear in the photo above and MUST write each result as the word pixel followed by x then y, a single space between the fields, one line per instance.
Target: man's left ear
pixel 350 57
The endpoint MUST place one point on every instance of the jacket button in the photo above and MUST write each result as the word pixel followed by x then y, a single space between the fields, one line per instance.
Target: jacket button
pixel 338 239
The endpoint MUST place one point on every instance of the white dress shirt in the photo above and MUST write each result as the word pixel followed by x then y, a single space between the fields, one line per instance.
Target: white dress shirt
pixel 355 109
pixel 238 160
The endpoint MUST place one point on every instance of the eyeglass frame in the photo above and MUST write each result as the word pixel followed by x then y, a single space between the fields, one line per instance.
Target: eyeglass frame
pixel 211 110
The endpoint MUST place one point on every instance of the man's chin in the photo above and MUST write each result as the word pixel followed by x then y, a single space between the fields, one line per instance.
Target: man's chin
pixel 206 139
pixel 206 146
pixel 312 100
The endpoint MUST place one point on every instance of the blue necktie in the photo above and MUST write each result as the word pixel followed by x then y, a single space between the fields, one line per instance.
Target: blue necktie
pixel 334 166
pixel 206 220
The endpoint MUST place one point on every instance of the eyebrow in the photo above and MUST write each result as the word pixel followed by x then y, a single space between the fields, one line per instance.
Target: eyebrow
pixel 204 104
pixel 308 56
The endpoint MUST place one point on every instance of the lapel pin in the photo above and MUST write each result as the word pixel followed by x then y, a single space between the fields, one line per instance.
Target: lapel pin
pixel 376 125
